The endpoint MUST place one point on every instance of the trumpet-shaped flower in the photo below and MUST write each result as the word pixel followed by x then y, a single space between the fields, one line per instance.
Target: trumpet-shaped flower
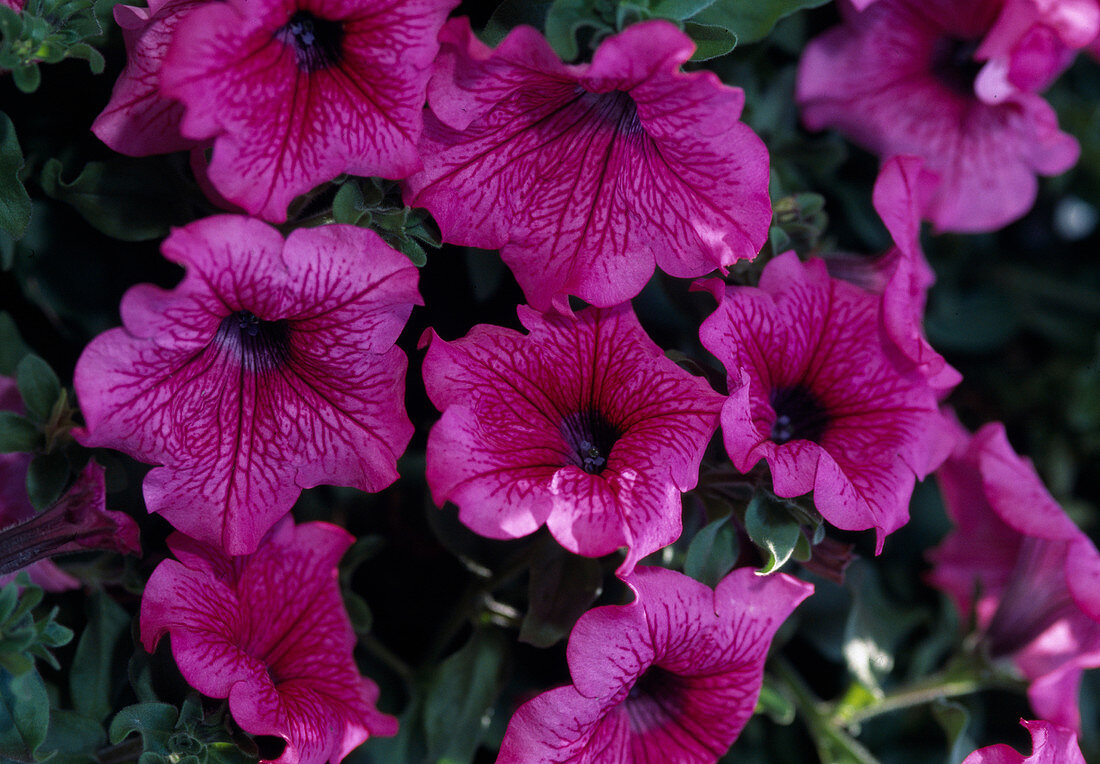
pixel 269 632
pixel 269 369
pixel 583 425
pixel 585 176
pixel 1039 605
pixel 816 392
pixel 295 93
pixel 671 677
pixel 900 78
pixel 1050 744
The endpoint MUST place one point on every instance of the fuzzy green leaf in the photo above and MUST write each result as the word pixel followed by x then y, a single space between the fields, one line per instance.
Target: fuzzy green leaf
pixel 15 204
pixel 24 715
pixel 39 386
pixel 713 552
pixel 18 433
pixel 91 678
pixel 751 20
pixel 772 528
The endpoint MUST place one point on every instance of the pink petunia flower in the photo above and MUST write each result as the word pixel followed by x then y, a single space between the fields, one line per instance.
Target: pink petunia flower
pixel 1039 604
pixel 295 93
pixel 1050 744
pixel 585 176
pixel 269 369
pixel 672 677
pixel 139 120
pixel 269 632
pixel 583 425
pixel 815 392
pixel 899 78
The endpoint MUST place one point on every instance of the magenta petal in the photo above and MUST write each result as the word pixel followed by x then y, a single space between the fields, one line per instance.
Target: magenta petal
pixel 673 676
pixel 586 176
pixel 815 392
pixel 581 424
pixel 1032 566
pixel 138 120
pixel 269 632
pixel 890 79
pixel 269 369
pixel 287 115
pixel 1050 743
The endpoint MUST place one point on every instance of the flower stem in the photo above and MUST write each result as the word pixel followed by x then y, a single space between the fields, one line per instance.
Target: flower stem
pixel 832 742
pixel 39 537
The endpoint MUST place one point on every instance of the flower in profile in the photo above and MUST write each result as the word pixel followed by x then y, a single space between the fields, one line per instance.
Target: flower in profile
pixel 899 78
pixel 816 393
pixel 901 275
pixel 77 522
pixel 585 176
pixel 1038 605
pixel 294 94
pixel 583 425
pixel 269 369
pixel 139 120
pixel 269 632
pixel 1050 744
pixel 676 672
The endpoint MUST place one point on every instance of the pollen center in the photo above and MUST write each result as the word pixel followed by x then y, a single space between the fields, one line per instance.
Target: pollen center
pixel 260 345
pixel 953 64
pixel 316 41
pixel 798 415
pixel 589 438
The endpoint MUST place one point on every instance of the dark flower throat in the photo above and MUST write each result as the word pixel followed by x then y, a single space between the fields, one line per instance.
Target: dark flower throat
pixel 261 345
pixel 589 438
pixel 953 64
pixel 316 42
pixel 798 415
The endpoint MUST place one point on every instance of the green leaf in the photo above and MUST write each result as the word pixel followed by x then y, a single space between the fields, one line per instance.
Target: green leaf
pixel 954 719
pixel 72 738
pixel 91 678
pixel 12 347
pixel 772 528
pixel 561 587
pixel 18 433
pixel 567 17
pixel 875 627
pixel 125 198
pixel 15 204
pixel 511 14
pixel 24 715
pixel 711 40
pixel 359 613
pixel 713 552
pixel 46 479
pixel 26 77
pixel 155 722
pixel 347 205
pixel 461 695
pixel 678 10
pixel 751 20
pixel 39 387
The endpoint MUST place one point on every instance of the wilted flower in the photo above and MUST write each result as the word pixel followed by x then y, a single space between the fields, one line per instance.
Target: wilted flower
pixel 1036 573
pixel 816 392
pixel 583 424
pixel 269 369
pixel 673 676
pixel 585 176
pixel 269 632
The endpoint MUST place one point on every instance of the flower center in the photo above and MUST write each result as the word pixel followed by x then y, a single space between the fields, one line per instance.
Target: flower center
pixel 261 345
pixel 589 438
pixel 316 41
pixel 798 415
pixel 953 64
pixel 654 700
